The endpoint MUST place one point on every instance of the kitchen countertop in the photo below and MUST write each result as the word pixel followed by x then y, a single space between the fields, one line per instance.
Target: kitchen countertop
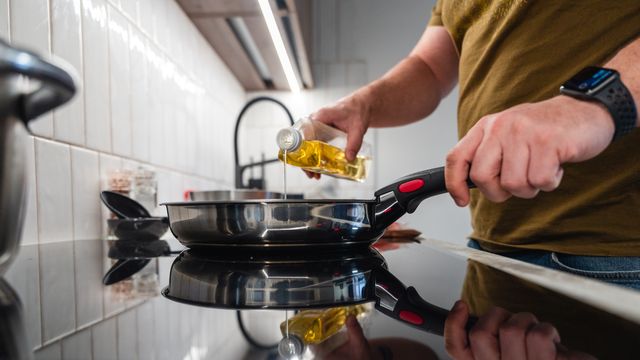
pixel 591 316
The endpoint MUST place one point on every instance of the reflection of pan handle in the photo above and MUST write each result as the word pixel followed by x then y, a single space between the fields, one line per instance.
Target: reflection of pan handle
pixel 412 189
pixel 406 305
pixel 413 308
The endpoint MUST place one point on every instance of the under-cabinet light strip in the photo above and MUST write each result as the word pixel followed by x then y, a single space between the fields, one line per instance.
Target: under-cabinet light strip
pixel 278 42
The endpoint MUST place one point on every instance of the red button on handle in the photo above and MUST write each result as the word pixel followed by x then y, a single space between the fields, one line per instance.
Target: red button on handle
pixel 411 317
pixel 411 186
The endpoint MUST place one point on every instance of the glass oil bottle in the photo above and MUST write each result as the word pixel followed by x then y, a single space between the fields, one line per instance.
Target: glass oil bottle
pixel 318 147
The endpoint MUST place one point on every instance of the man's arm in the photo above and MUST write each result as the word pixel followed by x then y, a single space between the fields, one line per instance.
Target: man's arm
pixel 407 93
pixel 520 151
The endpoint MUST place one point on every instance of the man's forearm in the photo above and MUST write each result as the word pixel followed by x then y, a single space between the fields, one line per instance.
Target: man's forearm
pixel 407 93
pixel 626 62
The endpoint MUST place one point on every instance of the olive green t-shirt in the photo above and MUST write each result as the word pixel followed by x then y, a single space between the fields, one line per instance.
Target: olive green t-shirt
pixel 518 51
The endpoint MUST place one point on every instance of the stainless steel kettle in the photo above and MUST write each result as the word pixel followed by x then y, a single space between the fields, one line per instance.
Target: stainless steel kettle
pixel 29 87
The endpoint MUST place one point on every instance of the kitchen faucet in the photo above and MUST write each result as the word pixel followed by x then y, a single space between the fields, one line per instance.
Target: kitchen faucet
pixel 253 183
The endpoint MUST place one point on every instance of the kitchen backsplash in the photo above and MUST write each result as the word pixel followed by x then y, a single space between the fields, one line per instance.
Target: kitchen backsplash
pixel 151 93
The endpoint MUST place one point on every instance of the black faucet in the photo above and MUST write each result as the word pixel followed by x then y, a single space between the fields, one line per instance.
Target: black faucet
pixel 253 183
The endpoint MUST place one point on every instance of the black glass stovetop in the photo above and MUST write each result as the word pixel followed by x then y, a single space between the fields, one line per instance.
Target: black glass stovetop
pixel 297 280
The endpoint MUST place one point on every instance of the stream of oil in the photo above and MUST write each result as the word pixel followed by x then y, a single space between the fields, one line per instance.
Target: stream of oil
pixel 284 175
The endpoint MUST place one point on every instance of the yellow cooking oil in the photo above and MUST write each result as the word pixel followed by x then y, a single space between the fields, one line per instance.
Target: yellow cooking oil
pixel 320 157
pixel 316 325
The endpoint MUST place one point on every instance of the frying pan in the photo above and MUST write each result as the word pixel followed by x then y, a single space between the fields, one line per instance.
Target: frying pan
pixel 287 223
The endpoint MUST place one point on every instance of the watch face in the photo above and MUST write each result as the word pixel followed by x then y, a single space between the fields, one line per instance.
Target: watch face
pixel 589 79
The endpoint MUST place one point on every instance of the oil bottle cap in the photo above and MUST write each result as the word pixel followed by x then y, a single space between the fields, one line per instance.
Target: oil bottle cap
pixel 289 139
pixel 291 347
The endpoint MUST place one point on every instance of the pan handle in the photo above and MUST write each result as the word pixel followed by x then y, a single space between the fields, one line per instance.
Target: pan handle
pixel 405 194
pixel 406 305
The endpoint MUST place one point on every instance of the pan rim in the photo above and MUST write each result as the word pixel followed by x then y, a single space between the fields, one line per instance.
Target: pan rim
pixel 270 201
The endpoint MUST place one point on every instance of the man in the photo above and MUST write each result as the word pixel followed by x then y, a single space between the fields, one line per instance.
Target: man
pixel 555 187
pixel 550 178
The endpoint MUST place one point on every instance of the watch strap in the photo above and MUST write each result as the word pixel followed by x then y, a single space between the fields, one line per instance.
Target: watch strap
pixel 618 100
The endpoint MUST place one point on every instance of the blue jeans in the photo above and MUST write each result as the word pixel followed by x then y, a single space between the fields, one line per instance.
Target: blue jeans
pixel 619 270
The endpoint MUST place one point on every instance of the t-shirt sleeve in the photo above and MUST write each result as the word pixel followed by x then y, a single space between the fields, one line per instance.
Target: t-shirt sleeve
pixel 436 14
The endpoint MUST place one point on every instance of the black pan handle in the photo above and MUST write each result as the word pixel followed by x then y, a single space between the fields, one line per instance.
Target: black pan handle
pixel 57 86
pixel 408 192
pixel 406 305
pixel 412 189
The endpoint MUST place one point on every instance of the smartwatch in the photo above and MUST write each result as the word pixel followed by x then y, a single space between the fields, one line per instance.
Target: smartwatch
pixel 604 85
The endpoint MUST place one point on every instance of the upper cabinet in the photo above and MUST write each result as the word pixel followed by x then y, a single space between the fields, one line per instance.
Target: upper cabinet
pixel 265 43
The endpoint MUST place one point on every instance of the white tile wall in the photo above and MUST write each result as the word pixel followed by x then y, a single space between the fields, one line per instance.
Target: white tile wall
pixel 146 324
pixel 141 102
pixel 4 19
pixel 77 346
pixel 151 93
pixel 120 84
pixel 96 75
pixel 127 335
pixel 53 182
pixel 88 282
pixel 85 182
pixel 57 290
pixel 66 42
pixel 103 338
pixel 51 352
pixel 24 276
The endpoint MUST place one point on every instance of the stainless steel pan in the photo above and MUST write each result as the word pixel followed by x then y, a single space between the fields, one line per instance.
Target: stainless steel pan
pixel 282 223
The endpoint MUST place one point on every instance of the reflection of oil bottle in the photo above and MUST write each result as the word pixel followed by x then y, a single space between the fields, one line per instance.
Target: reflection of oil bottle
pixel 309 327
pixel 317 147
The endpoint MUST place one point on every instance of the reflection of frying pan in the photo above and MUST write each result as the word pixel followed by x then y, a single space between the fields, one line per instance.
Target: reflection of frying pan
pixel 233 279
pixel 273 222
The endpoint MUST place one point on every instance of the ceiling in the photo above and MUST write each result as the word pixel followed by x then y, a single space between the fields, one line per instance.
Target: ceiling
pixel 237 31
